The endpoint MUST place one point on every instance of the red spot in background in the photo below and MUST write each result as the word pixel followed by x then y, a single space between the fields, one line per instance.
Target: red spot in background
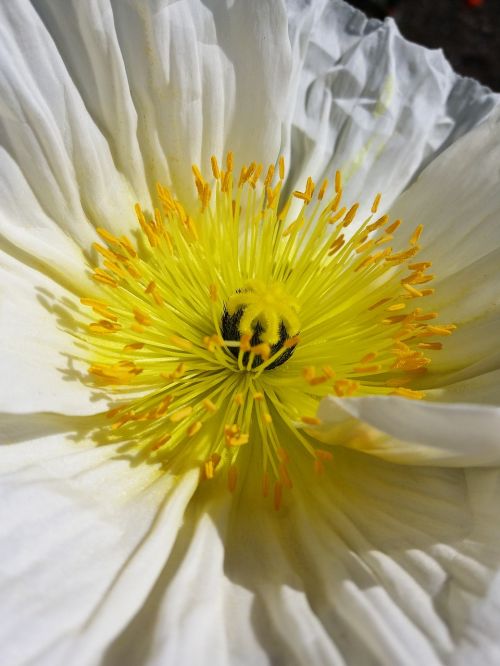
pixel 474 3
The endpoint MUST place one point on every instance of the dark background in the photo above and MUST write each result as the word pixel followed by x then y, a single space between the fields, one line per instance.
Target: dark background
pixel 468 31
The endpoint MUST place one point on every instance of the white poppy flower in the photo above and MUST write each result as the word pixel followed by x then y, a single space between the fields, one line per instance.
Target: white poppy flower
pixel 245 431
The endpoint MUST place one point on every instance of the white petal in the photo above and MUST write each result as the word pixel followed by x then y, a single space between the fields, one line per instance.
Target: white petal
pixel 466 369
pixel 480 643
pixel 39 362
pixel 370 102
pixel 457 199
pixel 46 129
pixel 29 234
pixel 413 431
pixel 185 617
pixel 370 563
pixel 399 556
pixel 459 208
pixel 84 537
pixel 101 101
pixel 203 603
pixel 483 388
pixel 188 80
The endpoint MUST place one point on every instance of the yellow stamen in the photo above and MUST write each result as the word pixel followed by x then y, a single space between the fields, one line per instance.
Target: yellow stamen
pixel 310 420
pixel 409 393
pixel 338 181
pixel 322 190
pixel 376 202
pixel 194 428
pixel 282 167
pixel 181 414
pixel 351 214
pixel 416 234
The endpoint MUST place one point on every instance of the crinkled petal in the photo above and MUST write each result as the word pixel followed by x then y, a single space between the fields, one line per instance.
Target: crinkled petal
pixel 62 157
pixel 480 643
pixel 87 128
pixel 370 102
pixel 29 234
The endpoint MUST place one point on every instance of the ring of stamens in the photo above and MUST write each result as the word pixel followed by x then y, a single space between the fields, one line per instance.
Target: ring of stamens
pixel 232 322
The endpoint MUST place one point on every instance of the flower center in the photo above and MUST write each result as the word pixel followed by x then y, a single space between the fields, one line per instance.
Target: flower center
pixel 263 320
pixel 195 330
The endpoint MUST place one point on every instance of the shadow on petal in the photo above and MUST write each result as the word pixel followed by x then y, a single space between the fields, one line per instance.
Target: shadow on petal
pixel 372 561
pixel 22 427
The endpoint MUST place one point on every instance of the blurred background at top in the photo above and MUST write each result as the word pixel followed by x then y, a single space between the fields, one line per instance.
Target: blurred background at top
pixel 468 31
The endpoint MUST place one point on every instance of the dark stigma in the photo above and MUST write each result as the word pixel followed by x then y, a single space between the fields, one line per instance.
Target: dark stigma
pixel 230 331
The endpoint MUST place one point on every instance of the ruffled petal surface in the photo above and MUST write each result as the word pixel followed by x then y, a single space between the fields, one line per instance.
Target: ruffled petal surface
pixel 480 642
pixel 87 128
pixel 369 102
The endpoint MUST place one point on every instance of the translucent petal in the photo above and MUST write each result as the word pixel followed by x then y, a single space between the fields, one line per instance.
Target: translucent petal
pixel 413 431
